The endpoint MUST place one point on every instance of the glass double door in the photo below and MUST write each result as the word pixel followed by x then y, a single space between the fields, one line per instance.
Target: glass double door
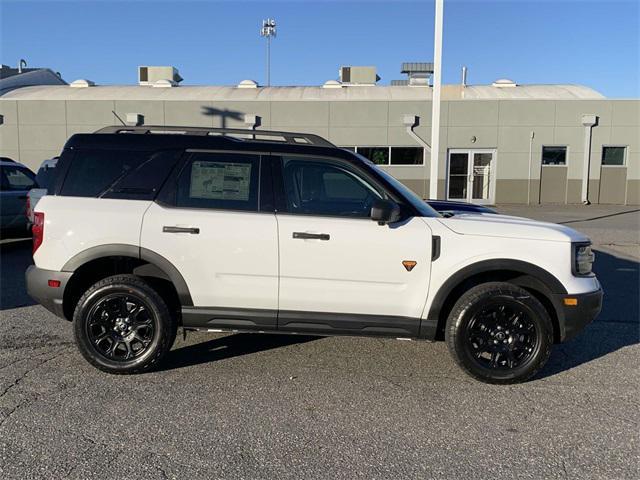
pixel 471 176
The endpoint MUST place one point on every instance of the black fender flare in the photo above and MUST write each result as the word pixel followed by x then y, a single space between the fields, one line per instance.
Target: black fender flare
pixel 161 267
pixel 544 281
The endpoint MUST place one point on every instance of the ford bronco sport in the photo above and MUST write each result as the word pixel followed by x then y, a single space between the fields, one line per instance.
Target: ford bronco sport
pixel 147 229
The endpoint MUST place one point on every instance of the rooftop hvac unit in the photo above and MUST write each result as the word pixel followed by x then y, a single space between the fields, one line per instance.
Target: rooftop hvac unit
pixel 358 75
pixel 148 75
pixel 419 73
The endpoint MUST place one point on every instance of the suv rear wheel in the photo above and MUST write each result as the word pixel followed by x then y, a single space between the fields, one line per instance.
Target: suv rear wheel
pixel 499 333
pixel 123 326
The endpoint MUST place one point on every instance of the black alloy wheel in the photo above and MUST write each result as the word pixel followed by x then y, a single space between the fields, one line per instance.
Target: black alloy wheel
pixel 122 325
pixel 502 336
pixel 499 333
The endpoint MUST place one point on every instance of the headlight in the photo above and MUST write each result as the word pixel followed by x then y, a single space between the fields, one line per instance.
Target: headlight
pixel 582 259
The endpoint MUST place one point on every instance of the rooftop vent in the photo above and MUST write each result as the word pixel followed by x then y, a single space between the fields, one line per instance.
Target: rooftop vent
pixel 358 76
pixel 332 84
pixel 399 83
pixel 248 84
pixel 148 75
pixel 504 83
pixel 82 83
pixel 419 73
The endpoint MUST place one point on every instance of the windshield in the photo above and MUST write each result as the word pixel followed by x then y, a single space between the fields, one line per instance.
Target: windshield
pixel 409 195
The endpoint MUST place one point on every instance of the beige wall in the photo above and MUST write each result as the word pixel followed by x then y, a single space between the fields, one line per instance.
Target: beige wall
pixel 35 130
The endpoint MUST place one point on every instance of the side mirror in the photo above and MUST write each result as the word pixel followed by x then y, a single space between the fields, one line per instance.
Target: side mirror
pixel 385 211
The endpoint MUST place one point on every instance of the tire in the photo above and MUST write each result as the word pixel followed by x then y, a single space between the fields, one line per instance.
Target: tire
pixel 122 325
pixel 499 333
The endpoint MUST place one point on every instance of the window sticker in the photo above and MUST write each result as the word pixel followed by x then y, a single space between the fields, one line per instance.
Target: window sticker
pixel 220 180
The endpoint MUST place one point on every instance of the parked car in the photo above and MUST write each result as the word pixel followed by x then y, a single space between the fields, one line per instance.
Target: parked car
pixel 15 182
pixel 449 208
pixel 44 177
pixel 215 230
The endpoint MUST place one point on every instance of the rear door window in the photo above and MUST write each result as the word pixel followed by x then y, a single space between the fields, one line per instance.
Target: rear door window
pixel 219 181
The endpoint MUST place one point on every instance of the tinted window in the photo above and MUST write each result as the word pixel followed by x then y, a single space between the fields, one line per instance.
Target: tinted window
pixel 554 155
pixel 406 193
pixel 613 156
pixel 378 155
pixel 146 180
pixel 220 181
pixel 324 187
pixel 45 175
pixel 92 172
pixel 406 156
pixel 17 178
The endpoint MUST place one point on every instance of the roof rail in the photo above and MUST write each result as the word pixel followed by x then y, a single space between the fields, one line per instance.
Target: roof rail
pixel 242 134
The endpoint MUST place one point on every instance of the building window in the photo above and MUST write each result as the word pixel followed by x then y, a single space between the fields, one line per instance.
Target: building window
pixel 613 156
pixel 378 155
pixel 406 156
pixel 554 155
pixel 392 155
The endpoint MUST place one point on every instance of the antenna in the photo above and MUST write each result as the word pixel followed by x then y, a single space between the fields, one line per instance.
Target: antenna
pixel 268 30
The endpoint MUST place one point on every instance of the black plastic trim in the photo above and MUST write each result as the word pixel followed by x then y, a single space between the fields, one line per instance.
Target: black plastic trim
pixel 229 318
pixel 551 283
pixel 100 251
pixel 133 251
pixel 172 272
pixel 435 247
pixel 574 319
pixel 288 321
pixel 348 324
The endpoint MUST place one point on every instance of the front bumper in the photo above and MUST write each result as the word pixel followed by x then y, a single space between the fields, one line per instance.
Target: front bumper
pixel 38 288
pixel 574 318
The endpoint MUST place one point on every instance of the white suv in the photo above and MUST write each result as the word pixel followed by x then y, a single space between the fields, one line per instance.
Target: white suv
pixel 147 229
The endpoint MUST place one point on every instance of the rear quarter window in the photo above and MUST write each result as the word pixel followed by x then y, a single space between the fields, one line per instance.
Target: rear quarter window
pixel 93 172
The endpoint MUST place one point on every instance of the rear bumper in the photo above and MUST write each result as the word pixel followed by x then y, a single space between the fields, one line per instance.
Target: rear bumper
pixel 574 318
pixel 38 288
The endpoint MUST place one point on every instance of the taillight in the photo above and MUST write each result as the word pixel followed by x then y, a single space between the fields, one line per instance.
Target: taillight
pixel 37 230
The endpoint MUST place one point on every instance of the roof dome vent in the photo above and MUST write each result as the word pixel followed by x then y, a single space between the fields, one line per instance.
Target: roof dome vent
pixel 332 84
pixel 504 83
pixel 248 84
pixel 82 83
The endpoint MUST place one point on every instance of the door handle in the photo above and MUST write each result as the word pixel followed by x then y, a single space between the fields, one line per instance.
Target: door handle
pixel 311 236
pixel 192 230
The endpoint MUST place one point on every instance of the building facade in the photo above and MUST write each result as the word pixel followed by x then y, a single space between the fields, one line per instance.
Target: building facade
pixel 500 143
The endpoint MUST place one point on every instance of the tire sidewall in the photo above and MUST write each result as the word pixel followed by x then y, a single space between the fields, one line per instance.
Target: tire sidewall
pixel 91 353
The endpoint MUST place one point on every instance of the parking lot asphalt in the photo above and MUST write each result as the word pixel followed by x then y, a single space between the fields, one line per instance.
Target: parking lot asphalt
pixel 271 406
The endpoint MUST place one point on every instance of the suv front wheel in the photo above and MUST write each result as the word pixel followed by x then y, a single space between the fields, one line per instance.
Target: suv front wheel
pixel 499 333
pixel 123 326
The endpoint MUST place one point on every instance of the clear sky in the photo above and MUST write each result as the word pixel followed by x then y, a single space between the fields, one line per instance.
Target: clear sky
pixel 589 42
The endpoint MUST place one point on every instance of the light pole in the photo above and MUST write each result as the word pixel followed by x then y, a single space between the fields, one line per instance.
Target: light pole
pixel 268 30
pixel 435 102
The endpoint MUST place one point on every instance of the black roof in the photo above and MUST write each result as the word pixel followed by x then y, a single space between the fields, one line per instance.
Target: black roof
pixel 163 139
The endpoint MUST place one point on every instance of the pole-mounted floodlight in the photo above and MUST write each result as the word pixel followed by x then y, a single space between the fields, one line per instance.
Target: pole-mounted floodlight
pixel 268 30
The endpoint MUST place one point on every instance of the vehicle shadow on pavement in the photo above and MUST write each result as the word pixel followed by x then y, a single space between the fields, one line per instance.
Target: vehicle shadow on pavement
pixel 617 326
pixel 228 347
pixel 15 257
